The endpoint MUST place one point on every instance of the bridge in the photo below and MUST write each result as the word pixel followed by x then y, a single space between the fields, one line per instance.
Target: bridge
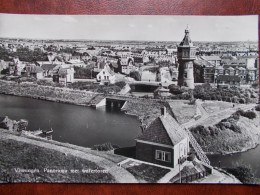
pixel 115 102
pixel 148 83
pixel 144 86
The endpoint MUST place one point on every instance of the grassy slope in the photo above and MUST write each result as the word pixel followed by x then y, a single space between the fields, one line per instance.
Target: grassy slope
pixel 228 141
pixel 146 110
pixel 28 156
pixel 182 111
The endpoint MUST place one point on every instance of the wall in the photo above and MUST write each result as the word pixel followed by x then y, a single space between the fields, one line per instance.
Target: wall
pixel 146 152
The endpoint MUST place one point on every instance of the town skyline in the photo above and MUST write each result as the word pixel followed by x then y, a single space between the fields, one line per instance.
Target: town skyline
pixel 129 28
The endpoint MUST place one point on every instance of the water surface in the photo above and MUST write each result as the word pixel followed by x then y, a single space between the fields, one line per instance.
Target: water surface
pixel 77 125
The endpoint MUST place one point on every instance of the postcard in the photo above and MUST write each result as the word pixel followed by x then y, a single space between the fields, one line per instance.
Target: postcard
pixel 129 99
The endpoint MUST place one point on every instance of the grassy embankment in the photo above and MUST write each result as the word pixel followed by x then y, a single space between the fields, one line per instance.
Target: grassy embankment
pixel 29 89
pixel 236 133
pixel 20 155
pixel 182 110
pixel 145 109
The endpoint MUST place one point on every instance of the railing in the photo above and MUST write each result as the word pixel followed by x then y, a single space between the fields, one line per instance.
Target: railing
pixel 202 156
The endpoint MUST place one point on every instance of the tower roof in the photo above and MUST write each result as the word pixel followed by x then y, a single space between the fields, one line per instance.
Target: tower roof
pixel 186 40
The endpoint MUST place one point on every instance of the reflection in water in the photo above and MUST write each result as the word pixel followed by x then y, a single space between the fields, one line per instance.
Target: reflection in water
pixel 77 125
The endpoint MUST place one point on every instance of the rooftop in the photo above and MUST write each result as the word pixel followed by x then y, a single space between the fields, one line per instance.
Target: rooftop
pixel 210 58
pixel 163 130
pixel 203 63
pixel 186 40
pixel 228 78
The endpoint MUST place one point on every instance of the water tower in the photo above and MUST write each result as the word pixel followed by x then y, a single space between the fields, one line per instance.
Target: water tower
pixel 186 56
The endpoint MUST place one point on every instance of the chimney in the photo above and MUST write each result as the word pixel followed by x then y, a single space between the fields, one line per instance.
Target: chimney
pixel 163 111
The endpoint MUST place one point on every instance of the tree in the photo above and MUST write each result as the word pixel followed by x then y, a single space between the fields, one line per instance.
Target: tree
pixel 83 73
pixel 135 75
pixel 175 89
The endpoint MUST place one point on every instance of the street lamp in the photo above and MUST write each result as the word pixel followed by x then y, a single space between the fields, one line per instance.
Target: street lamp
pixel 180 160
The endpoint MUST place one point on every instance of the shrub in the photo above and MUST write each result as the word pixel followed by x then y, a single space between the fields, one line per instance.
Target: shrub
pixel 257 108
pixel 45 83
pixel 205 131
pixel 228 99
pixel 104 147
pixel 191 157
pixel 241 101
pixel 135 75
pixel 235 99
pixel 175 89
pixel 22 125
pixel 197 129
pixel 226 124
pixel 249 114
pixel 235 128
pixel 213 97
pixel 83 73
pixel 244 173
pixel 120 84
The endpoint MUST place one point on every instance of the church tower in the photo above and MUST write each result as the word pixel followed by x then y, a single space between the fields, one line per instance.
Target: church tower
pixel 186 56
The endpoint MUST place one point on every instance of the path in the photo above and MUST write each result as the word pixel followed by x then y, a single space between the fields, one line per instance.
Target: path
pixel 211 119
pixel 218 177
pixel 172 173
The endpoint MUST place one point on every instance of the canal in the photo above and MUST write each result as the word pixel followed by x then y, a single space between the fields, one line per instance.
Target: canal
pixel 250 158
pixel 73 124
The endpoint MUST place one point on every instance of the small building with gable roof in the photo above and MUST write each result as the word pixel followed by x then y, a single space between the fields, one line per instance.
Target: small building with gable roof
pixel 106 75
pixel 163 142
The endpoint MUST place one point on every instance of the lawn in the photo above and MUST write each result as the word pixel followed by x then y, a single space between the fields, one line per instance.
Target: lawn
pixel 147 110
pixel 182 111
pixel 213 106
pixel 144 172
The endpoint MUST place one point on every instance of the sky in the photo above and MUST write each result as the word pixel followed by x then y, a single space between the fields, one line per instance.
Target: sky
pixel 129 27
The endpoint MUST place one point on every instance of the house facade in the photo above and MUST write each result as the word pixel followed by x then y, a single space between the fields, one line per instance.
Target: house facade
pixel 203 72
pixel 214 60
pixel 34 71
pixel 63 74
pixel 126 65
pixel 163 142
pixel 106 76
pixel 228 80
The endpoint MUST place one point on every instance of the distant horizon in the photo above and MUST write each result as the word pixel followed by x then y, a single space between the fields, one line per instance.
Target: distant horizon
pixel 154 28
pixel 50 39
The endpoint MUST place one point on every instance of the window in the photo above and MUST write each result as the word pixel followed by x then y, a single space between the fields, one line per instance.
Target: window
pixel 163 156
